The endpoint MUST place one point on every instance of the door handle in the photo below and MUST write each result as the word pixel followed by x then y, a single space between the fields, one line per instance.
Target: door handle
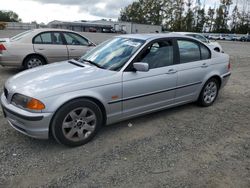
pixel 72 49
pixel 171 71
pixel 204 65
pixel 40 48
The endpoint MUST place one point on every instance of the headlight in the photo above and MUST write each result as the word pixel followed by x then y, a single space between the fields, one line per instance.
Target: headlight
pixel 27 102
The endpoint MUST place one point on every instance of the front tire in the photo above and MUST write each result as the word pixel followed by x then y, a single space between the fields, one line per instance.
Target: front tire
pixel 77 122
pixel 209 93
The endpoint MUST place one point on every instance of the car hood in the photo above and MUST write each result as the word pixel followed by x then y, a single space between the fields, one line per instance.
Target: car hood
pixel 57 78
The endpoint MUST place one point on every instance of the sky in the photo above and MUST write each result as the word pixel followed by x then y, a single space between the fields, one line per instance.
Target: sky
pixel 70 10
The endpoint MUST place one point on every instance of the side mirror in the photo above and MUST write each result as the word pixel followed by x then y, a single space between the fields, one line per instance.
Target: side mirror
pixel 140 66
pixel 91 44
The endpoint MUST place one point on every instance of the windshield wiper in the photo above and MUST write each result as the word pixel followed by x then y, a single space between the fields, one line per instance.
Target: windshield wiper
pixel 92 63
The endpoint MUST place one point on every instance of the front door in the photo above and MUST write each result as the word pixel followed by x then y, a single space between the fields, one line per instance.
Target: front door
pixel 76 44
pixel 146 91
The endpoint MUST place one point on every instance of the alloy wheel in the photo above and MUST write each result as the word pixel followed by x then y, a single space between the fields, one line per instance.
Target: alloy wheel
pixel 79 124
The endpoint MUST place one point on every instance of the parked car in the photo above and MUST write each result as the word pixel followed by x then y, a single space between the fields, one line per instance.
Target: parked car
pixel 245 38
pixel 214 37
pixel 215 45
pixel 124 77
pixel 41 46
pixel 92 29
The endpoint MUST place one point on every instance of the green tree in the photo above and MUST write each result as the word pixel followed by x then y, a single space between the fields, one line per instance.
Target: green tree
pixel 235 19
pixel 210 18
pixel 9 16
pixel 189 18
pixel 178 24
pixel 133 13
pixel 219 23
pixel 145 12
pixel 183 15
pixel 201 20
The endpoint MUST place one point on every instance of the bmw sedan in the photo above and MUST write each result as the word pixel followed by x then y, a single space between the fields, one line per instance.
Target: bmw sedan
pixel 42 46
pixel 124 77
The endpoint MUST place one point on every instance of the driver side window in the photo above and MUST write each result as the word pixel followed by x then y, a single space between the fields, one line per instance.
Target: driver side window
pixel 158 54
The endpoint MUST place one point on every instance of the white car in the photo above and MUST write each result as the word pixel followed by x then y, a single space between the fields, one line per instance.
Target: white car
pixel 42 46
pixel 214 45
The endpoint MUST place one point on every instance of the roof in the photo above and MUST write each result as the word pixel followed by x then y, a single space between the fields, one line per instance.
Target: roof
pixel 186 33
pixel 51 29
pixel 151 36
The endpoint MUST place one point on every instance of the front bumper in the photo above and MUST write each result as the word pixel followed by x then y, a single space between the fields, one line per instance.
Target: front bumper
pixel 35 125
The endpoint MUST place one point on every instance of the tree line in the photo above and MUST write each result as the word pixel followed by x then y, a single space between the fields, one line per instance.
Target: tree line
pixel 9 16
pixel 187 15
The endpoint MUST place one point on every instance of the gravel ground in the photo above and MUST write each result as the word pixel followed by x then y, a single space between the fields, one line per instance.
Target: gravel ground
pixel 187 146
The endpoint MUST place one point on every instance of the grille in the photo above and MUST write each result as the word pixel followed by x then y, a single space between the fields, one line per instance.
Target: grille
pixel 6 93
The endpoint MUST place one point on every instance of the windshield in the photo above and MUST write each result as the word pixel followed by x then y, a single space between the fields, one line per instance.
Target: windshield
pixel 113 54
pixel 21 35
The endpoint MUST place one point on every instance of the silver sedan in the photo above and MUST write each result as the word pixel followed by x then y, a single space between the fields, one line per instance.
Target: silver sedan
pixel 124 77
pixel 42 46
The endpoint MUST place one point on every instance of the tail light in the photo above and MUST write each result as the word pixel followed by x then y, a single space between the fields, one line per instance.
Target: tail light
pixel 2 47
pixel 229 66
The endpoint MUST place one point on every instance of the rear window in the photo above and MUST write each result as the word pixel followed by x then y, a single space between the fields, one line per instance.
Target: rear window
pixel 21 35
pixel 189 51
pixel 205 52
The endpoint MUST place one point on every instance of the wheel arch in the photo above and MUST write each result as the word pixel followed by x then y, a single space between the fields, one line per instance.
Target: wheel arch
pixel 93 99
pixel 217 77
pixel 34 54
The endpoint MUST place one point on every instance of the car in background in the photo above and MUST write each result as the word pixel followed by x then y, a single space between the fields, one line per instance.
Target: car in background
pixel 245 38
pixel 214 37
pixel 42 46
pixel 121 78
pixel 214 45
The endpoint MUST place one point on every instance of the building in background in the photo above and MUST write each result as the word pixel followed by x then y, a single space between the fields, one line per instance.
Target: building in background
pixel 79 26
pixel 20 26
pixel 129 27
pixel 101 26
pixel 106 26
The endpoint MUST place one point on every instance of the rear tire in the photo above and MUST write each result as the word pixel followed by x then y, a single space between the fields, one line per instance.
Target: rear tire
pixel 209 93
pixel 77 122
pixel 33 61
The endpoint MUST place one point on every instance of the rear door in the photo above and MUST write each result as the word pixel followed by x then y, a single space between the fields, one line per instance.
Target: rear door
pixel 51 46
pixel 77 45
pixel 194 58
pixel 146 91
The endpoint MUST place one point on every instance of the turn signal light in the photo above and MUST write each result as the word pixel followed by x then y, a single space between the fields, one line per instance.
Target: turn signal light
pixel 35 104
pixel 2 47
